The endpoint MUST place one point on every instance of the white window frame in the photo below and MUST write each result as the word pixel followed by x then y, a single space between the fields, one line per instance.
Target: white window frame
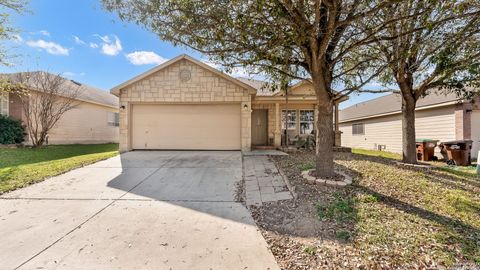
pixel 312 121
pixel 4 104
pixel 113 119
pixel 289 120
pixel 355 132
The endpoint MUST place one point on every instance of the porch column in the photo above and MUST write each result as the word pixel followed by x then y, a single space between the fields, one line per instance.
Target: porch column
pixel 336 116
pixel 277 139
pixel 337 132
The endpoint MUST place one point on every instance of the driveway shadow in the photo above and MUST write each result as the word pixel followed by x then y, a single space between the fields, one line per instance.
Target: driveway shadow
pixel 204 181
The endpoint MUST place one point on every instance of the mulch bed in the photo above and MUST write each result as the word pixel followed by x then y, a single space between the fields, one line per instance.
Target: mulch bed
pixel 293 229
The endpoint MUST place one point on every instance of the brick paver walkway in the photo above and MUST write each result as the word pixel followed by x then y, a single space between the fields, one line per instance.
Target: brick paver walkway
pixel 263 182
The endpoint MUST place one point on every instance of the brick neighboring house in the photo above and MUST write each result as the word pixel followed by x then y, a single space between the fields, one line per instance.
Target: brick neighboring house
pixel 93 120
pixel 377 123
pixel 186 104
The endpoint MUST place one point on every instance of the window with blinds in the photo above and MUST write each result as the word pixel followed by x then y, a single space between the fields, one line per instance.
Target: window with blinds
pixel 358 129
pixel 4 104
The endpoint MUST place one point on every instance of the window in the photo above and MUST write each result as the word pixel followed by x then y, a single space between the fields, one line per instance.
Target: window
pixel 306 121
pixel 358 129
pixel 291 119
pixel 4 104
pixel 113 119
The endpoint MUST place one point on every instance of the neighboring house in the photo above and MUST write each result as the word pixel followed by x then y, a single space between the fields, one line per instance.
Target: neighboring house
pixel 94 119
pixel 377 124
pixel 186 104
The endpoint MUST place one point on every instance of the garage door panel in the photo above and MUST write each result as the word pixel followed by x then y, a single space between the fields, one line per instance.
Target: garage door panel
pixel 208 127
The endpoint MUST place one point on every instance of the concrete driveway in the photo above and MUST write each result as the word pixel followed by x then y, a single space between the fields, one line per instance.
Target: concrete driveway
pixel 141 210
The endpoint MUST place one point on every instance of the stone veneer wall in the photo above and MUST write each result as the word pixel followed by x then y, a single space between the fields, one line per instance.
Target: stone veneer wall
pixel 165 86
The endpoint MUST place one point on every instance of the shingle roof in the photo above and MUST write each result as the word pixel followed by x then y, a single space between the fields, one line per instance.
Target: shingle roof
pixel 263 88
pixel 391 103
pixel 87 93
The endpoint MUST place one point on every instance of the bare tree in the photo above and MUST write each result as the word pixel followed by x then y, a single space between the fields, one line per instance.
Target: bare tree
pixel 49 98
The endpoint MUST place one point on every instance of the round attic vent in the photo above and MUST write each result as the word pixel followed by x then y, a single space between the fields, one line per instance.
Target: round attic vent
pixel 185 75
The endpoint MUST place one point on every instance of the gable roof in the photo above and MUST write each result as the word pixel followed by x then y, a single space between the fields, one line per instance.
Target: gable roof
pixel 116 89
pixel 263 88
pixel 87 93
pixel 392 104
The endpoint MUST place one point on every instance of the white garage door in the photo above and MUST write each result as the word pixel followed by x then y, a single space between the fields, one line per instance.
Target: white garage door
pixel 475 133
pixel 197 127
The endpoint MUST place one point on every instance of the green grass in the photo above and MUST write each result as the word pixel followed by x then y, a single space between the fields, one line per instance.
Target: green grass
pixel 20 167
pixel 341 209
pixel 343 235
pixel 306 166
pixel 310 250
pixel 465 171
pixel 419 213
pixel 374 153
pixel 405 217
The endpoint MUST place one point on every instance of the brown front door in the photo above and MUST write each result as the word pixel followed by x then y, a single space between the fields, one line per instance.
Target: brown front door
pixel 259 127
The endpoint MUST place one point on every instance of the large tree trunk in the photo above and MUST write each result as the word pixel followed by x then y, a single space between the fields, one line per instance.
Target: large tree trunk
pixel 408 130
pixel 324 139
pixel 324 127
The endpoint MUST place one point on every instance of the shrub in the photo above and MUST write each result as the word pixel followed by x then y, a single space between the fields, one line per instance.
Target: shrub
pixel 11 131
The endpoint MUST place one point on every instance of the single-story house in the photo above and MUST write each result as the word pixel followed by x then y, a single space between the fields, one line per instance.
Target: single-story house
pixel 187 104
pixel 94 119
pixel 376 124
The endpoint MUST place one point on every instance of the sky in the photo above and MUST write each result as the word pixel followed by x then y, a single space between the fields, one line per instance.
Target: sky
pixel 84 42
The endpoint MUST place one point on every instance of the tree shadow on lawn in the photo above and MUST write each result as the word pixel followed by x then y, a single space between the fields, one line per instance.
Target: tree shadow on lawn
pixel 447 178
pixel 455 231
pixel 459 232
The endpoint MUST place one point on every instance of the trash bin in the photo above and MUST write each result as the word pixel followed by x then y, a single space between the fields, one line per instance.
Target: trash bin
pixel 426 149
pixel 458 152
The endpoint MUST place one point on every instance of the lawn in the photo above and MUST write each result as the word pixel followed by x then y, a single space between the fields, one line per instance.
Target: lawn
pixel 391 217
pixel 20 167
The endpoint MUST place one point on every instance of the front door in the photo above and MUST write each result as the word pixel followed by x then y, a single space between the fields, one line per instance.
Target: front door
pixel 259 127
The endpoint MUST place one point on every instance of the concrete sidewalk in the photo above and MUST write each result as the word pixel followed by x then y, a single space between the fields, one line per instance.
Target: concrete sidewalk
pixel 141 210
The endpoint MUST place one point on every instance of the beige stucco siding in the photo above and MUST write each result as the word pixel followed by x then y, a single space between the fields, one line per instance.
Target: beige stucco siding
pixel 475 124
pixel 436 123
pixel 166 87
pixel 86 123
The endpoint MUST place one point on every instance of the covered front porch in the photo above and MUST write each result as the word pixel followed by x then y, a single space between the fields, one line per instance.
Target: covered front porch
pixel 269 120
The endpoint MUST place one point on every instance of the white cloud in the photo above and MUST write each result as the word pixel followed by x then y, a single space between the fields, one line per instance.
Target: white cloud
pixel 234 72
pixel 93 45
pixel 48 46
pixel 41 32
pixel 73 74
pixel 79 41
pixel 145 58
pixel 17 38
pixel 44 32
pixel 109 46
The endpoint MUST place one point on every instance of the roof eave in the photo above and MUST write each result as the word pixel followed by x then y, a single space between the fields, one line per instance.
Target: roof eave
pixel 116 90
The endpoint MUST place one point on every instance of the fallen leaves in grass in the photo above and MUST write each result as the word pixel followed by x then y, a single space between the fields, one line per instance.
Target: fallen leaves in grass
pixel 391 217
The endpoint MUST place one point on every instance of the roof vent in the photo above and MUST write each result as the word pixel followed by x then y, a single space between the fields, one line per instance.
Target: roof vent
pixel 75 82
